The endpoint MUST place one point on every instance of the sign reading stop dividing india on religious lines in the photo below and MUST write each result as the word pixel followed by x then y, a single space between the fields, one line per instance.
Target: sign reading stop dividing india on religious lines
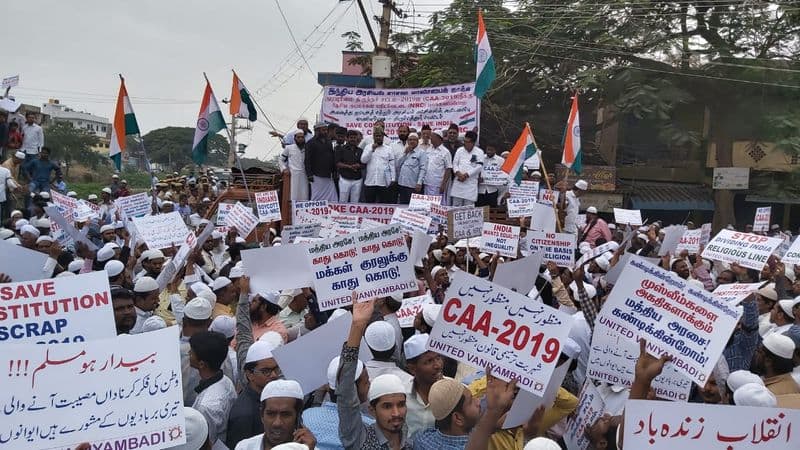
pixel 486 325
pixel 746 249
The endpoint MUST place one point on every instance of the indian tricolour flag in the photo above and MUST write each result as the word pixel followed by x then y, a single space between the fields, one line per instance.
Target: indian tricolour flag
pixel 124 125
pixel 241 103
pixel 484 61
pixel 572 139
pixel 209 123
pixel 523 149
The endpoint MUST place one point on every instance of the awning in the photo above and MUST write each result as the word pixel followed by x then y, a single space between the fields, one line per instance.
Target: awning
pixel 671 197
pixel 755 198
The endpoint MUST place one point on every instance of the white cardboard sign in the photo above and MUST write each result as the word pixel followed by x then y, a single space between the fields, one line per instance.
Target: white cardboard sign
pixel 520 206
pixel 698 426
pixel 746 249
pixel 543 217
pixel 242 218
pixel 762 219
pixel 628 216
pixel 162 230
pixel 269 208
pixel 222 212
pixel 734 293
pixel 483 324
pixel 293 271
pixel 411 221
pixel 792 256
pixel 424 202
pixel 20 263
pixel 556 247
pixel 136 205
pixel 467 223
pixel 690 241
pixel 590 408
pixel 500 238
pixel 291 232
pixel 120 392
pixel 411 307
pixel 518 275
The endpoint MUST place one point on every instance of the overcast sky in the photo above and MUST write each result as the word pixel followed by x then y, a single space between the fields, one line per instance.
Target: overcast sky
pixel 73 51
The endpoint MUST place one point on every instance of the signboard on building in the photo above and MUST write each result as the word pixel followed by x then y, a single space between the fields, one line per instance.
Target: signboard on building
pixel 600 178
pixel 731 178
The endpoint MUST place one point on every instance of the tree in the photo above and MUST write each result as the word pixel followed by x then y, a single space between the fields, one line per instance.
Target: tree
pixel 172 147
pixel 70 144
pixel 649 60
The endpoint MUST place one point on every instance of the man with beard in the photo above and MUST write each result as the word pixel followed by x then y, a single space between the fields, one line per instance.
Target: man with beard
pixel 124 311
pixel 742 344
pixel 380 173
pixel 773 362
pixel 288 138
pixel 348 164
pixel 152 263
pixel 264 311
pixel 387 398
pixel 426 366
pixel 456 412
pixel 320 166
pixel 281 406
pixel 145 300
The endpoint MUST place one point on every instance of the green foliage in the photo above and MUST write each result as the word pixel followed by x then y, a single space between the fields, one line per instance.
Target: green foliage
pixel 73 145
pixel 354 43
pixel 172 146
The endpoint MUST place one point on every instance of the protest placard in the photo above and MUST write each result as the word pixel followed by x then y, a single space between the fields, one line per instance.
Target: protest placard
pixel 411 306
pixel 318 208
pixel 690 242
pixel 525 189
pixel 705 234
pixel 222 212
pixel 411 221
pixel 438 106
pixel 701 426
pixel 786 242
pixel 420 242
pixel 162 230
pixel 590 408
pixel 466 223
pixel 543 217
pixel 366 224
pixel 374 263
pixel 346 224
pixel 123 392
pixel 325 343
pixel 171 268
pixel 290 232
pixel 548 196
pixel 438 215
pixel 268 206
pixel 792 255
pixel 518 275
pixel 136 205
pixel 628 216
pixel 734 293
pixel 672 235
pixel 66 205
pixel 556 247
pixel 526 403
pixel 746 249
pixel 494 176
pixel 72 232
pixel 57 310
pixel 242 218
pixel 84 211
pixel 292 272
pixel 378 212
pixel 520 206
pixel 424 202
pixel 483 324
pixel 22 264
pixel 674 317
pixel 762 219
pixel 595 252
pixel 500 238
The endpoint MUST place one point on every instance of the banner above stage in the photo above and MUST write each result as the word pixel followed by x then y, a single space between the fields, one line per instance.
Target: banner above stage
pixel 438 107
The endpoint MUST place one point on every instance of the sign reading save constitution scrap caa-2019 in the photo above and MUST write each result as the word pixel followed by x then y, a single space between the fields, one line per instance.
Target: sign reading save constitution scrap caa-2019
pixel 373 262
pixel 483 324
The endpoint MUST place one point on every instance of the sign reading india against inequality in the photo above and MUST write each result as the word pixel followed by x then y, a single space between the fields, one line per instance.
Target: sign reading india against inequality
pixel 162 230
pixel 556 247
pixel 746 249
pixel 136 205
pixel 486 325
pixel 699 426
pixel 374 263
pixel 734 293
pixel 673 316
pixel 242 218
pixel 124 392
pixel 410 308
pixel 355 108
pixel 690 241
pixel 378 212
pixel 411 221
pixel 500 238
pixel 761 220
pixel 269 208
pixel 57 310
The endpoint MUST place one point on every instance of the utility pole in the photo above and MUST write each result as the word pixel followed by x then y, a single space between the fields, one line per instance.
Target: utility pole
pixel 381 61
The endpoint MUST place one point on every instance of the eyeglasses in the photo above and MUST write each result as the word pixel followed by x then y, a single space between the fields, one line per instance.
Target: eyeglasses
pixel 267 371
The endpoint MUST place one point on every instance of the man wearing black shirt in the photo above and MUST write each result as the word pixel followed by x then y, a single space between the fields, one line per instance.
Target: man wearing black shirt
pixel 320 165
pixel 348 164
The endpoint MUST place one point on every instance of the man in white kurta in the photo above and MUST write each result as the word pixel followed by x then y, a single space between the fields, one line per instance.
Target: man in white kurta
pixel 467 164
pixel 292 163
pixel 440 166
pixel 573 206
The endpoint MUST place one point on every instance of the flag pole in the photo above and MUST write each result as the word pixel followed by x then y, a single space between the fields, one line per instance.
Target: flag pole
pixel 269 122
pixel 148 166
pixel 546 178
